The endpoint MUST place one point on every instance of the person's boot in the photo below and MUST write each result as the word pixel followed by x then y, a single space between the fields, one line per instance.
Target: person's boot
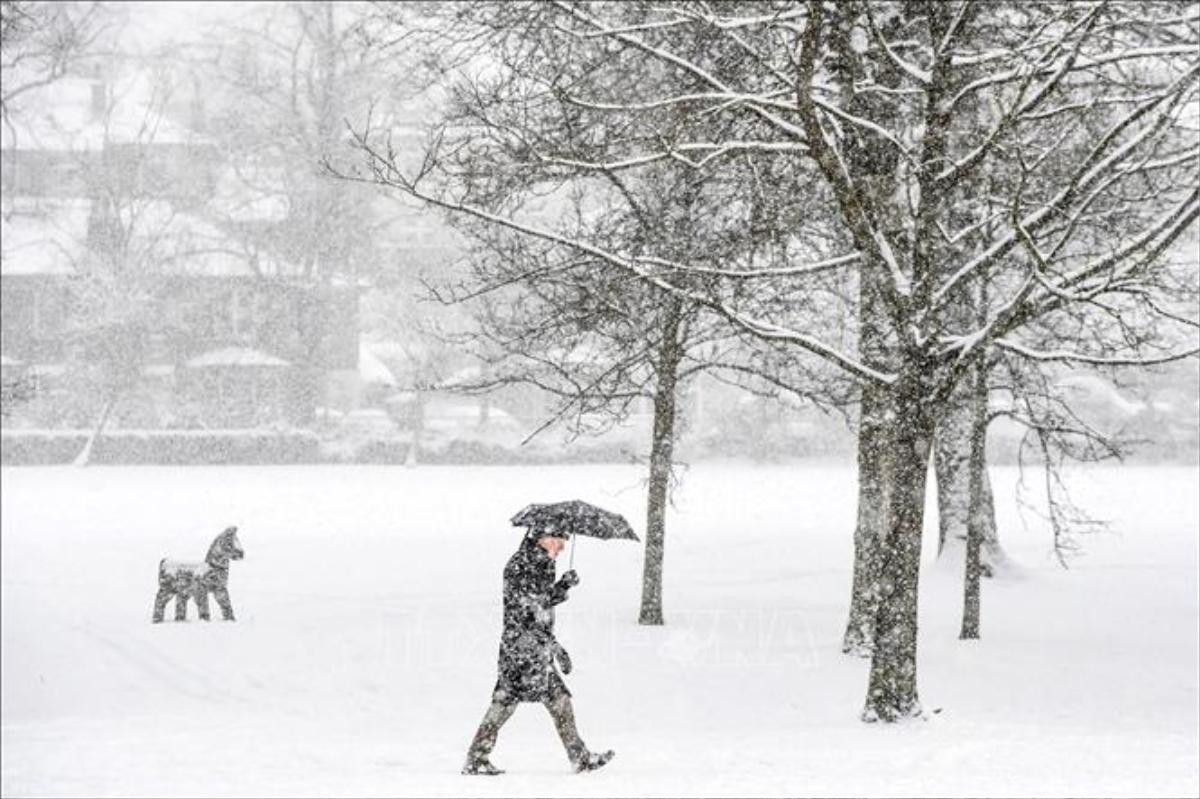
pixel 481 765
pixel 592 761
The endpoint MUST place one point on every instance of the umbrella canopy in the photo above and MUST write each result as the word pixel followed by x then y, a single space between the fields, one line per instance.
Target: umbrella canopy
pixel 576 517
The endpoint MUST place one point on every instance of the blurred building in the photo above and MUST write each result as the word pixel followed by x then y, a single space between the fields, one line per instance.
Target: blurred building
pixel 116 218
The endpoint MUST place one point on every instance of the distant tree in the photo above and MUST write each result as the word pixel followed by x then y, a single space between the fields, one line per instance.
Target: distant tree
pixel 135 237
pixel 40 43
pixel 599 343
pixel 413 341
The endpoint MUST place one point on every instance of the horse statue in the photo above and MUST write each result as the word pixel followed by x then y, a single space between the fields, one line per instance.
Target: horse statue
pixel 181 579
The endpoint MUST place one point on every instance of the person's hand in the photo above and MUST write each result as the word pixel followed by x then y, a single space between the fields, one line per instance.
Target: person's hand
pixel 564 660
pixel 570 579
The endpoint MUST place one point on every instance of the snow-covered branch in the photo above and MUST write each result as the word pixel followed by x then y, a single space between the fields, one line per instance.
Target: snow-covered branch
pixel 1094 360
pixel 387 173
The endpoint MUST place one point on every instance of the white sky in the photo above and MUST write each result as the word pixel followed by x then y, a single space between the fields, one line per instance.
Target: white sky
pixel 152 24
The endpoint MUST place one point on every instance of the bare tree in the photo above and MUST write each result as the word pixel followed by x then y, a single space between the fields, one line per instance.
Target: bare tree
pixel 1089 133
pixel 136 237
pixel 274 96
pixel 40 43
pixel 560 320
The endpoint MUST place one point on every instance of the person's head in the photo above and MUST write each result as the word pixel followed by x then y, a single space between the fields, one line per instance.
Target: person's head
pixel 552 544
pixel 548 536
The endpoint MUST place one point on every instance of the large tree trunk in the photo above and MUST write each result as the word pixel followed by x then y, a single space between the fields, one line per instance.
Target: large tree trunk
pixel 874 162
pixel 959 426
pixel 661 448
pixel 874 470
pixel 874 473
pixel 85 455
pixel 892 690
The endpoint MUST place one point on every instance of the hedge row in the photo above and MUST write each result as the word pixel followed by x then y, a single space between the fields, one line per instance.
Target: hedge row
pixel 47 447
pixel 179 447
pixel 475 452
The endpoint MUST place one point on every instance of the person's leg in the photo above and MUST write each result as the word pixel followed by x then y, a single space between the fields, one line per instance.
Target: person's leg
pixel 497 714
pixel 558 702
pixel 563 713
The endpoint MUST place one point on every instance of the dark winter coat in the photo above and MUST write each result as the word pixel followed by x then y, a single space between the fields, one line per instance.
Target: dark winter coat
pixel 527 645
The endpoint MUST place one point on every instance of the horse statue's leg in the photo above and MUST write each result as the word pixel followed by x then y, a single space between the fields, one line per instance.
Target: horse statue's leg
pixel 201 594
pixel 181 598
pixel 160 601
pixel 222 595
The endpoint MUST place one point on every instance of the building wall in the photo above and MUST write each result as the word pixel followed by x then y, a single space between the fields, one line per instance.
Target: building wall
pixel 104 172
pixel 33 316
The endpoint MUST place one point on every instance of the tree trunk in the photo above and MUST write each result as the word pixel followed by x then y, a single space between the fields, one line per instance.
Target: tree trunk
pixel 959 427
pixel 661 448
pixel 978 517
pixel 874 468
pixel 85 455
pixel 417 425
pixel 892 690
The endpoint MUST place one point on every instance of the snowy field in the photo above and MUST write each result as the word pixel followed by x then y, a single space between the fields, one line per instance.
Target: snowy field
pixel 369 614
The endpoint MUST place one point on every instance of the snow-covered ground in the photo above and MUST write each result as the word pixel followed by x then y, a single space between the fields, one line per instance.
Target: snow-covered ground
pixel 369 613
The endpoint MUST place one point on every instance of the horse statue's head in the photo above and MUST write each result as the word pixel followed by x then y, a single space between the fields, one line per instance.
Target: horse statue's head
pixel 225 548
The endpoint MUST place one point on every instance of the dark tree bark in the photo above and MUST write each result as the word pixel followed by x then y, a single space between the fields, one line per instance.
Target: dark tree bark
pixel 874 475
pixel 874 468
pixel 981 515
pixel 892 689
pixel 979 520
pixel 874 161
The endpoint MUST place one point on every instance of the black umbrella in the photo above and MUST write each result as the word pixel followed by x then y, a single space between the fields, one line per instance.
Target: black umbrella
pixel 579 517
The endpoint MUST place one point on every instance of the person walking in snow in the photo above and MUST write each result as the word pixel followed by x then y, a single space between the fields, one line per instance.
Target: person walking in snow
pixel 528 651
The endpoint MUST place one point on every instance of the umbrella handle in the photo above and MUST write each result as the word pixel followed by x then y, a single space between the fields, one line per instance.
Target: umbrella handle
pixel 571 565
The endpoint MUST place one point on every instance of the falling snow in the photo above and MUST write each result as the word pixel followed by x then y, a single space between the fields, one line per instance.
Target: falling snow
pixel 860 337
